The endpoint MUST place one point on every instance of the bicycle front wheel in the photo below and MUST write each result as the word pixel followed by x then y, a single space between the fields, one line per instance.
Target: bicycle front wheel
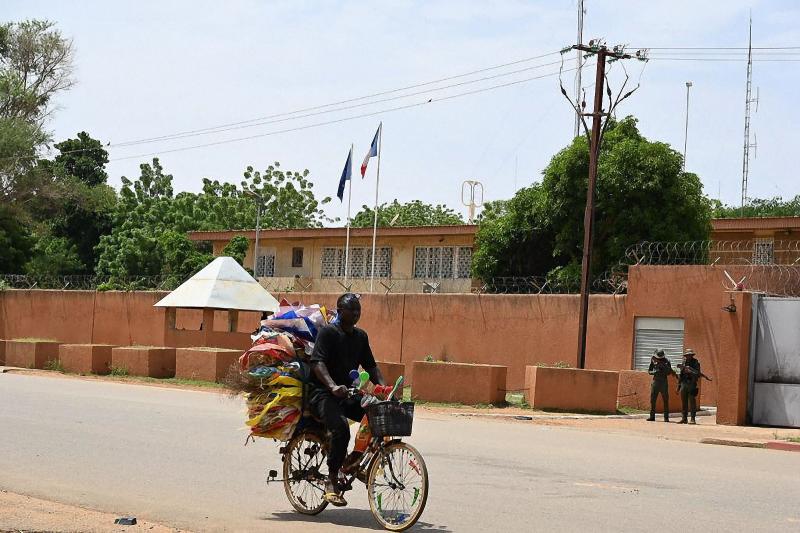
pixel 397 486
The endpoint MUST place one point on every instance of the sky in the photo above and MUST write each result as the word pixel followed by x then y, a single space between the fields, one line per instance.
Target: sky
pixel 147 69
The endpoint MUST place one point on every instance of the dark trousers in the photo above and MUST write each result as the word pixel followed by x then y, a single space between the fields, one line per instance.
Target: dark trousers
pixel 657 388
pixel 688 401
pixel 334 413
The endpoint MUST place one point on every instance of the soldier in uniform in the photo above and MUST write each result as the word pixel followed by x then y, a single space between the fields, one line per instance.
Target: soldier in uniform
pixel 687 385
pixel 660 369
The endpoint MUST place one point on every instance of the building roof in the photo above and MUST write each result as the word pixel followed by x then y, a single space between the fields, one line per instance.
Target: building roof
pixel 222 284
pixel 307 233
pixel 755 223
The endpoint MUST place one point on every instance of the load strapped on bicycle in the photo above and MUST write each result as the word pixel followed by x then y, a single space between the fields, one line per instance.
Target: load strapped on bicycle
pixel 277 381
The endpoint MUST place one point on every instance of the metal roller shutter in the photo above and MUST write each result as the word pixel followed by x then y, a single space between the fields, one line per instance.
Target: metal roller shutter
pixel 657 333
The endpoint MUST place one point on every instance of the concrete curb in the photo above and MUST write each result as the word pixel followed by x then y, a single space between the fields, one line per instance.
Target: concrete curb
pixel 783 446
pixel 569 416
pixel 736 443
pixel 4 369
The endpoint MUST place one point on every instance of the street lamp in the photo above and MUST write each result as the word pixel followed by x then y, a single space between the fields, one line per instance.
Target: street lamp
pixel 686 131
pixel 259 201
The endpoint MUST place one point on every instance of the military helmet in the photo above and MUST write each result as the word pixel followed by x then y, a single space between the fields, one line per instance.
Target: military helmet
pixel 659 354
pixel 689 353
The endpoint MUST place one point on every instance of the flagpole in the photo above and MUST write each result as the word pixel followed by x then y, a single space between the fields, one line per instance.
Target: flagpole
pixel 347 241
pixel 375 221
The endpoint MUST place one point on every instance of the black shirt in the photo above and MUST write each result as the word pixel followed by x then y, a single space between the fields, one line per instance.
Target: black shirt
pixel 341 352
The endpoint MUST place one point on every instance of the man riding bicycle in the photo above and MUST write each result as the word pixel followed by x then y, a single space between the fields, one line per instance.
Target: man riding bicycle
pixel 339 348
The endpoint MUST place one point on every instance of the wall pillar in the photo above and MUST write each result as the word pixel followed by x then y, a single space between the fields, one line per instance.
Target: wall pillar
pixel 734 359
pixel 233 320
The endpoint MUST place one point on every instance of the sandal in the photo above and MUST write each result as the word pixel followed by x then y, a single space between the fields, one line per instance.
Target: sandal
pixel 334 498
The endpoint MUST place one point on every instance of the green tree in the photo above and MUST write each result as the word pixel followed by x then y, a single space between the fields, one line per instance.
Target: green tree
pixel 150 222
pixel 414 213
pixel 759 207
pixel 237 248
pixel 54 256
pixel 642 194
pixel 36 64
pixel 15 242
pixel 84 209
pixel 287 198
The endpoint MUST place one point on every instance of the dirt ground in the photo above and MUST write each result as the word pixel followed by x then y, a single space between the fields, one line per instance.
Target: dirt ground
pixel 20 513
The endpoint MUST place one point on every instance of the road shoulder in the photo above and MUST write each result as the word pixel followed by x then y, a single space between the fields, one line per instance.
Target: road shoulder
pixel 24 513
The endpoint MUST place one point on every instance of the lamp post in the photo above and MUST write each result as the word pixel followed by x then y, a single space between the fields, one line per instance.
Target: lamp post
pixel 258 227
pixel 686 130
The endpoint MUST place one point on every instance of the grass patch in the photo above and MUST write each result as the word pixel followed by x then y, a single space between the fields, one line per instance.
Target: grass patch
pixel 119 371
pixel 557 364
pixel 34 339
pixel 793 439
pixel 178 381
pixel 631 411
pixel 55 365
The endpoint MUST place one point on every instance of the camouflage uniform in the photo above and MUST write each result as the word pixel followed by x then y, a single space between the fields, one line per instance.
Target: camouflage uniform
pixel 660 369
pixel 687 385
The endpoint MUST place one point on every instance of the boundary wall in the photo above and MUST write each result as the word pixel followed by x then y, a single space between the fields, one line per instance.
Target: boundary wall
pixel 510 330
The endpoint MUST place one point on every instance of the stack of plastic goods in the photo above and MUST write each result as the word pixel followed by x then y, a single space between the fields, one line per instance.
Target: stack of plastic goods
pixel 274 369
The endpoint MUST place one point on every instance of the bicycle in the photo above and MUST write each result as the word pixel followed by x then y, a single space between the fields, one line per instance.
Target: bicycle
pixel 393 471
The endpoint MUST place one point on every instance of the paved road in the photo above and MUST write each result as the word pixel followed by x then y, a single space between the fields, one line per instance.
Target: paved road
pixel 176 457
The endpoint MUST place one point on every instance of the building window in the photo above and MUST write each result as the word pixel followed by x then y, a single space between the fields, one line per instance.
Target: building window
pixel 442 262
pixel 763 251
pixel 297 257
pixel 265 266
pixel 360 262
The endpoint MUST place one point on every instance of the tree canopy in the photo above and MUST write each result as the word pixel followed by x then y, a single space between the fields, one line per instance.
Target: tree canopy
pixel 150 221
pixel 642 194
pixel 760 207
pixel 414 213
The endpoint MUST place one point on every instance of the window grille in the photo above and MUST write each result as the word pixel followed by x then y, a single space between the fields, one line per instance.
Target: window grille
pixel 763 251
pixel 464 263
pixel 360 262
pixel 265 266
pixel 442 262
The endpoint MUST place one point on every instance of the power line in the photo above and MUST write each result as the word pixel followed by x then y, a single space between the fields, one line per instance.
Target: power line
pixel 340 102
pixel 722 59
pixel 343 119
pixel 745 48
pixel 326 111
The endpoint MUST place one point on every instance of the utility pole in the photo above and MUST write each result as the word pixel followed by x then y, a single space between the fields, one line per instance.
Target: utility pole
pixel 601 52
pixel 747 101
pixel 686 132
pixel 581 12
pixel 259 201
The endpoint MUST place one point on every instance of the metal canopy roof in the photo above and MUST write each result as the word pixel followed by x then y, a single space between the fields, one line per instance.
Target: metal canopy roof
pixel 222 284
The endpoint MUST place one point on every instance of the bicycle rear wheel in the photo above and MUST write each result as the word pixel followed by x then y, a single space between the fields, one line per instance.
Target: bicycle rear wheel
pixel 397 486
pixel 305 472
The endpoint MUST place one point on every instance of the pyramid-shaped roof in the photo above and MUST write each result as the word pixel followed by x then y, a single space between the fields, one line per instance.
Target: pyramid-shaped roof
pixel 222 284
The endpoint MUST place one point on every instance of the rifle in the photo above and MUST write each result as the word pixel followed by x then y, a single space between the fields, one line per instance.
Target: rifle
pixel 689 370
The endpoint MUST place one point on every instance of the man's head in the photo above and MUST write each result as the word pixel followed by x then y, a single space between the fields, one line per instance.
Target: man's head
pixel 660 355
pixel 688 354
pixel 348 307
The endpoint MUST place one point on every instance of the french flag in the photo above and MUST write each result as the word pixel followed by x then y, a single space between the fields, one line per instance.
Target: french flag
pixel 373 150
pixel 347 172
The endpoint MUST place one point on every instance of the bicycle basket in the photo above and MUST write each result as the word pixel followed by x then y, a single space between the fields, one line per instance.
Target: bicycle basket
pixel 390 419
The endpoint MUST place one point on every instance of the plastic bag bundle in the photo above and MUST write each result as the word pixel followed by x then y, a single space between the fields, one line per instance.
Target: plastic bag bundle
pixel 273 369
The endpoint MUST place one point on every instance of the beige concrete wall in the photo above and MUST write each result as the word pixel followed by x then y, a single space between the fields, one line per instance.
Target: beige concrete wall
pixel 402 251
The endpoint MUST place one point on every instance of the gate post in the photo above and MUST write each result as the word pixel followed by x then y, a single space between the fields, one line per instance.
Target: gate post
pixel 733 361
